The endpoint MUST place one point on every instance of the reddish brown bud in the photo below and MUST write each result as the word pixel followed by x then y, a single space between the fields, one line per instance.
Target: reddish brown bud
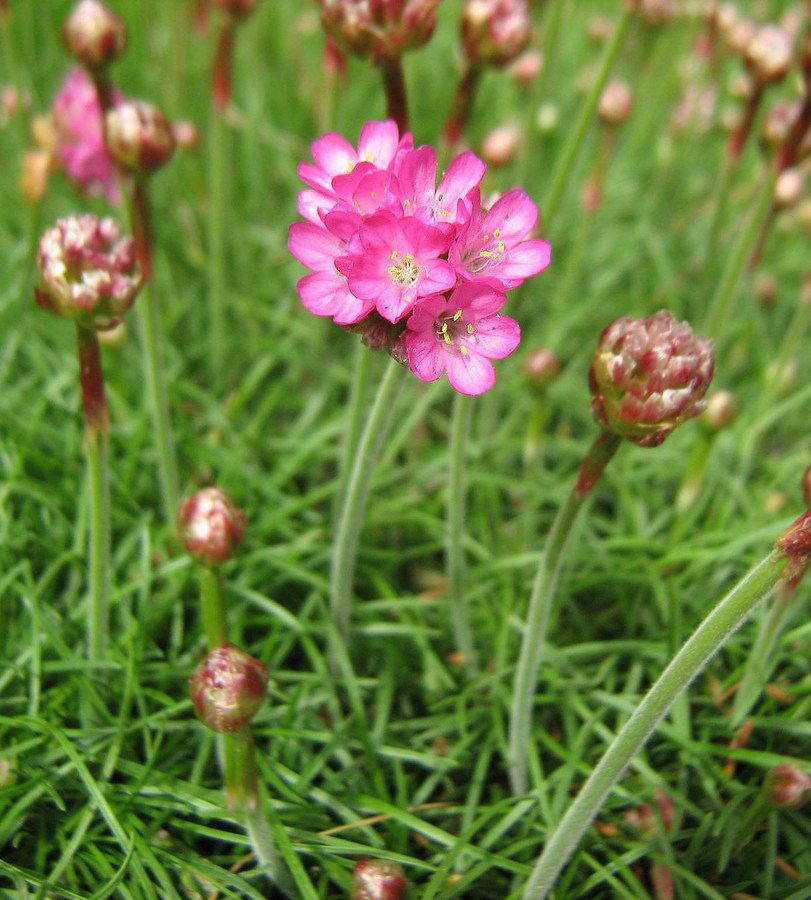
pixel 87 271
pixel 494 32
pixel 616 103
pixel 787 786
pixel 228 688
pixel 139 137
pixel 378 879
pixel 379 29
pixel 93 35
pixel 501 144
pixel 769 54
pixel 541 368
pixel 210 525
pixel 648 376
pixel 722 410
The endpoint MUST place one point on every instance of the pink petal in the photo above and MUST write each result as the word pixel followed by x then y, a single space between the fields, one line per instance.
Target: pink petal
pixel 469 373
pixel 378 142
pixel 334 154
pixel 425 358
pixel 314 246
pixel 514 215
pixel 326 294
pixel 496 336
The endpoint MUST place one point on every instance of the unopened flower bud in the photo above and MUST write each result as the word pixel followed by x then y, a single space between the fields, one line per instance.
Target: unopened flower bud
pixel 789 188
pixel 616 103
pixel 494 32
pixel 769 54
pixel 94 35
pixel 658 12
pixel 541 368
pixel 186 134
pixel 778 122
pixel 210 525
pixel 87 271
pixel 738 34
pixel 228 688
pixel 139 136
pixel 239 9
pixel 380 30
pixel 722 410
pixel 528 66
pixel 648 376
pixel 378 879
pixel 501 144
pixel 787 786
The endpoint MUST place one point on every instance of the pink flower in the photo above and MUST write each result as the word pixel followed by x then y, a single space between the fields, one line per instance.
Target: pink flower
pixel 393 262
pixel 335 156
pixel 493 249
pixel 459 336
pixel 78 125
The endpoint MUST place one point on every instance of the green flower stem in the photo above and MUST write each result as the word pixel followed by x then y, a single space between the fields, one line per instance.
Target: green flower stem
pixel 455 530
pixel 97 454
pixel 541 602
pixel 242 788
pixel 761 658
pixel 150 328
pixel 395 87
pixel 212 607
pixel 217 173
pixel 571 151
pixel 347 532
pixel 721 303
pixel 708 638
pixel 354 418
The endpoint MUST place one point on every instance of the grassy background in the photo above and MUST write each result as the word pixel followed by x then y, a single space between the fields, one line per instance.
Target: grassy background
pixel 412 765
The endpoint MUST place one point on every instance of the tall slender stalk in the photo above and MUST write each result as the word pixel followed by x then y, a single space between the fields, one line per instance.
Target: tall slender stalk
pixel 395 88
pixel 97 429
pixel 347 531
pixel 455 530
pixel 571 151
pixel 708 638
pixel 541 603
pixel 149 321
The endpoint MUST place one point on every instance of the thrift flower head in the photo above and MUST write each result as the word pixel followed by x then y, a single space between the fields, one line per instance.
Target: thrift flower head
pixel 210 525
pixel 416 266
pixel 379 29
pixel 378 879
pixel 648 376
pixel 228 688
pixel 494 32
pixel 139 137
pixel 94 35
pixel 87 271
pixel 787 786
pixel 79 137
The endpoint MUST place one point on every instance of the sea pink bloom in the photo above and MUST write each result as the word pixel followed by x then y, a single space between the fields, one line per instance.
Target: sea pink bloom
pixel 493 249
pixel 334 156
pixel 325 291
pixel 459 336
pixel 394 262
pixel 78 126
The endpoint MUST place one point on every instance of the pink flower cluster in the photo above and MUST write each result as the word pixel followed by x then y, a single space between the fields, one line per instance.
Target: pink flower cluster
pixel 79 131
pixel 388 247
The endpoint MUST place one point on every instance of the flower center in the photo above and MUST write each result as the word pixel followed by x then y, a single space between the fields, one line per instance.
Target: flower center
pixel 405 271
pixel 453 332
pixel 492 249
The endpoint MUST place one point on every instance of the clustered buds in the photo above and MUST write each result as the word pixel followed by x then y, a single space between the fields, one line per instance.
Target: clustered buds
pixel 378 879
pixel 787 786
pixel 494 32
pixel 648 376
pixel 228 688
pixel 94 35
pixel 210 525
pixel 139 136
pixel 379 29
pixel 88 272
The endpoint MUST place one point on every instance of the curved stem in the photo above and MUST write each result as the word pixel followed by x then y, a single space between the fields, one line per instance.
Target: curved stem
pixel 570 152
pixel 347 532
pixel 710 635
pixel 455 530
pixel 736 261
pixel 541 602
